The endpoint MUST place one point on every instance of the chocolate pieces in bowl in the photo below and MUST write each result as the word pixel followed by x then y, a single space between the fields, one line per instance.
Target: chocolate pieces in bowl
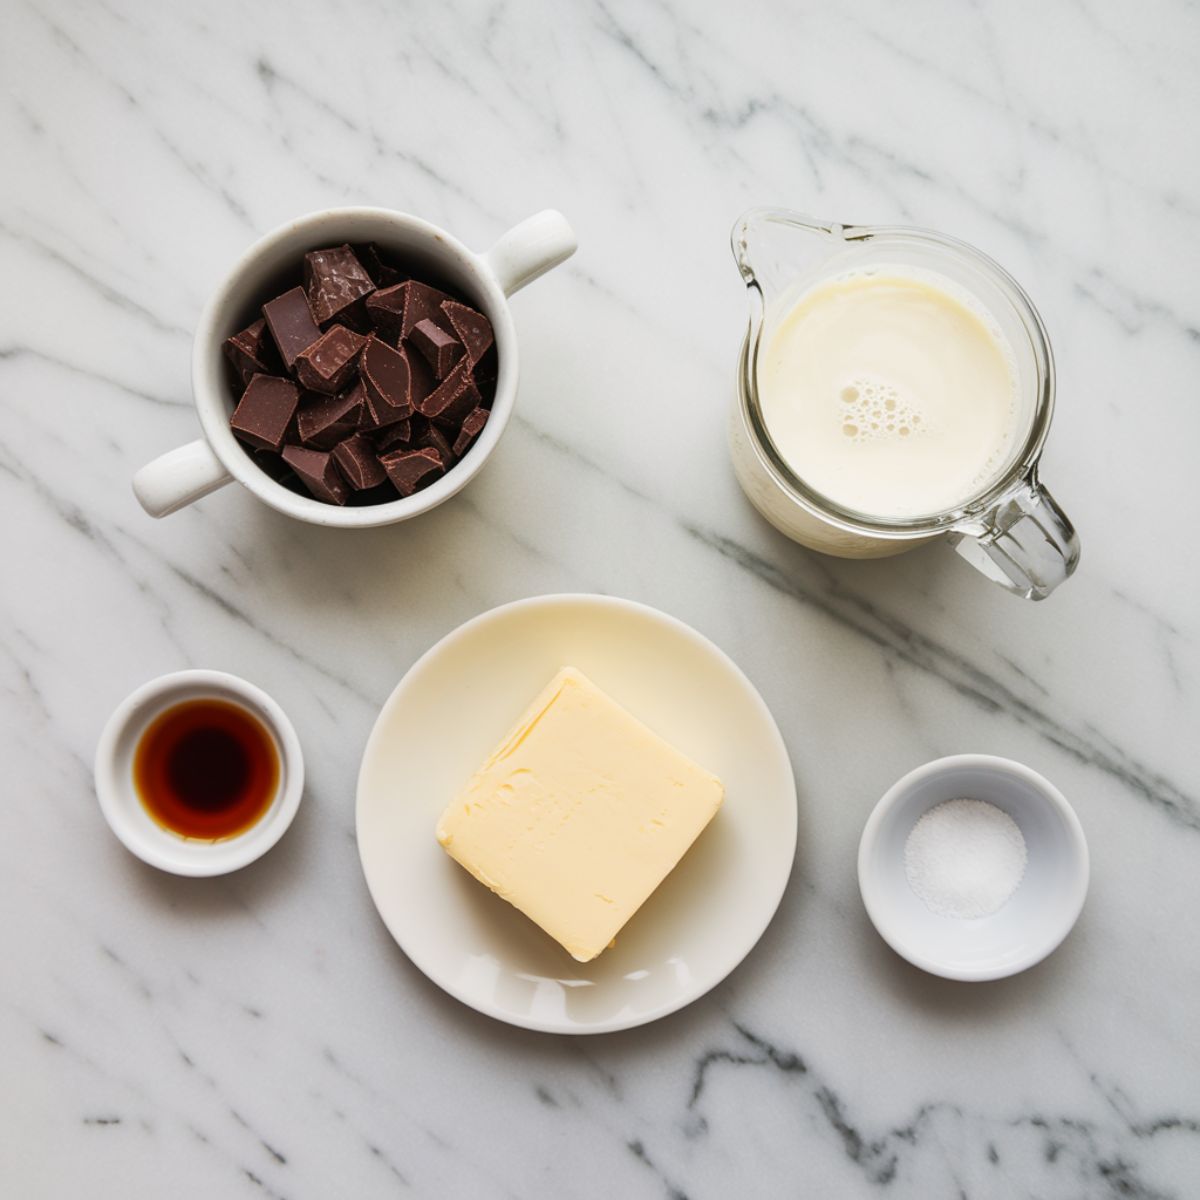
pixel 363 385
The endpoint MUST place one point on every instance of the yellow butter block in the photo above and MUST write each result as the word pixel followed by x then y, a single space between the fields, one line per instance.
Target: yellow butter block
pixel 579 814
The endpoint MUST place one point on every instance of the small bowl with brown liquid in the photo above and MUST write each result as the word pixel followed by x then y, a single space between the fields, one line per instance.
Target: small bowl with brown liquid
pixel 199 773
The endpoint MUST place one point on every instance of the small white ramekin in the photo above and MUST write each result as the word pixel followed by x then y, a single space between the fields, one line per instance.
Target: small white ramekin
pixel 1036 918
pixel 126 814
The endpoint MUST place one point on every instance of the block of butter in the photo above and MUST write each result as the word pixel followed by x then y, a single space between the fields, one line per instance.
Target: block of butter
pixel 579 814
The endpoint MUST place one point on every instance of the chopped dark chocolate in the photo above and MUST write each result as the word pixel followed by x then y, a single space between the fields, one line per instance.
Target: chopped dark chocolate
pixel 423 382
pixel 318 472
pixel 441 349
pixel 252 352
pixel 327 365
pixel 393 436
pixel 434 439
pixel 271 462
pixel 379 271
pixel 472 427
pixel 411 470
pixel 486 370
pixel 455 412
pixel 385 307
pixel 323 421
pixel 388 382
pixel 335 282
pixel 383 402
pixel 397 309
pixel 291 324
pixel 265 411
pixel 472 391
pixel 383 494
pixel 451 400
pixel 471 328
pixel 358 461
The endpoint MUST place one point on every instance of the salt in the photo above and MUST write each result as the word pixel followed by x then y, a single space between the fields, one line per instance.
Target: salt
pixel 965 858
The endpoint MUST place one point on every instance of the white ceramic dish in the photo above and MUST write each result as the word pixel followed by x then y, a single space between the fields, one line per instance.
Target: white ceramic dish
pixel 131 822
pixel 1036 918
pixel 520 256
pixel 449 712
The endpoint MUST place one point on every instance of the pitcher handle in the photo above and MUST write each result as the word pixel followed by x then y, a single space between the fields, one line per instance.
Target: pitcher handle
pixel 1026 543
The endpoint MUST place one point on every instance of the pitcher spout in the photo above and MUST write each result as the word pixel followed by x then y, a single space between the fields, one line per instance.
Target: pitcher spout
pixel 773 246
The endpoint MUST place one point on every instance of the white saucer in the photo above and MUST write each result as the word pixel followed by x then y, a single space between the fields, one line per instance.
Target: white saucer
pixel 446 716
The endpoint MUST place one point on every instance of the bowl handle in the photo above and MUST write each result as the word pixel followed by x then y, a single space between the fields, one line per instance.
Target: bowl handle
pixel 530 249
pixel 178 477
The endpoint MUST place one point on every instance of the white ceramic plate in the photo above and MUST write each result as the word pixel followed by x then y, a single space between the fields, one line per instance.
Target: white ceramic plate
pixel 446 716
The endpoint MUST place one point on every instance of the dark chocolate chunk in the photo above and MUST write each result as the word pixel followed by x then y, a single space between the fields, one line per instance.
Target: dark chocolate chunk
pixel 358 461
pixel 335 281
pixel 471 328
pixel 388 382
pixel 382 274
pixel 410 470
pixel 270 462
pixel 383 494
pixel 452 399
pixel 265 411
pixel 323 421
pixel 291 481
pixel 251 352
pixel 318 472
pixel 291 324
pixel 472 390
pixel 384 401
pixel 394 436
pixel 423 382
pixel 385 307
pixel 397 309
pixel 485 372
pixel 327 365
pixel 434 439
pixel 441 349
pixel 455 413
pixel 472 427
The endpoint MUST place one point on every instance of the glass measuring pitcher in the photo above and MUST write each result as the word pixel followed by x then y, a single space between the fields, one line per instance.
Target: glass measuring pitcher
pixel 1011 529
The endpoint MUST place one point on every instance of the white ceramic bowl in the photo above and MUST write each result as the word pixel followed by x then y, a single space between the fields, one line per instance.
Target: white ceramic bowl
pixel 444 718
pixel 128 818
pixel 1040 912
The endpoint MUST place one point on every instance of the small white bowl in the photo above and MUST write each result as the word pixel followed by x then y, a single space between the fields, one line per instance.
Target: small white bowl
pixel 127 816
pixel 1040 912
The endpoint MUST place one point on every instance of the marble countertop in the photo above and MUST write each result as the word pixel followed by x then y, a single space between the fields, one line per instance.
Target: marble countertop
pixel 260 1035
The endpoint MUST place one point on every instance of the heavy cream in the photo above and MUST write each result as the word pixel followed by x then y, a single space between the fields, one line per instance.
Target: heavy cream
pixel 889 395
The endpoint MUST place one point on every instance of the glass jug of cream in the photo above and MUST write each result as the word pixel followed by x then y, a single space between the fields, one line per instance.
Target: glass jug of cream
pixel 895 386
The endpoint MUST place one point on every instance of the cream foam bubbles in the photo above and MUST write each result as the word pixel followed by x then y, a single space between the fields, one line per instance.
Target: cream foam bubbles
pixel 875 411
pixel 893 395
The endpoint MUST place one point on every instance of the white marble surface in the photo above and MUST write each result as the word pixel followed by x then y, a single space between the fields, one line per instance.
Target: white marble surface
pixel 260 1035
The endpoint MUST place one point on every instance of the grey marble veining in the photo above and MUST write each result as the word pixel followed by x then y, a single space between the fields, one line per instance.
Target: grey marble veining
pixel 260 1035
